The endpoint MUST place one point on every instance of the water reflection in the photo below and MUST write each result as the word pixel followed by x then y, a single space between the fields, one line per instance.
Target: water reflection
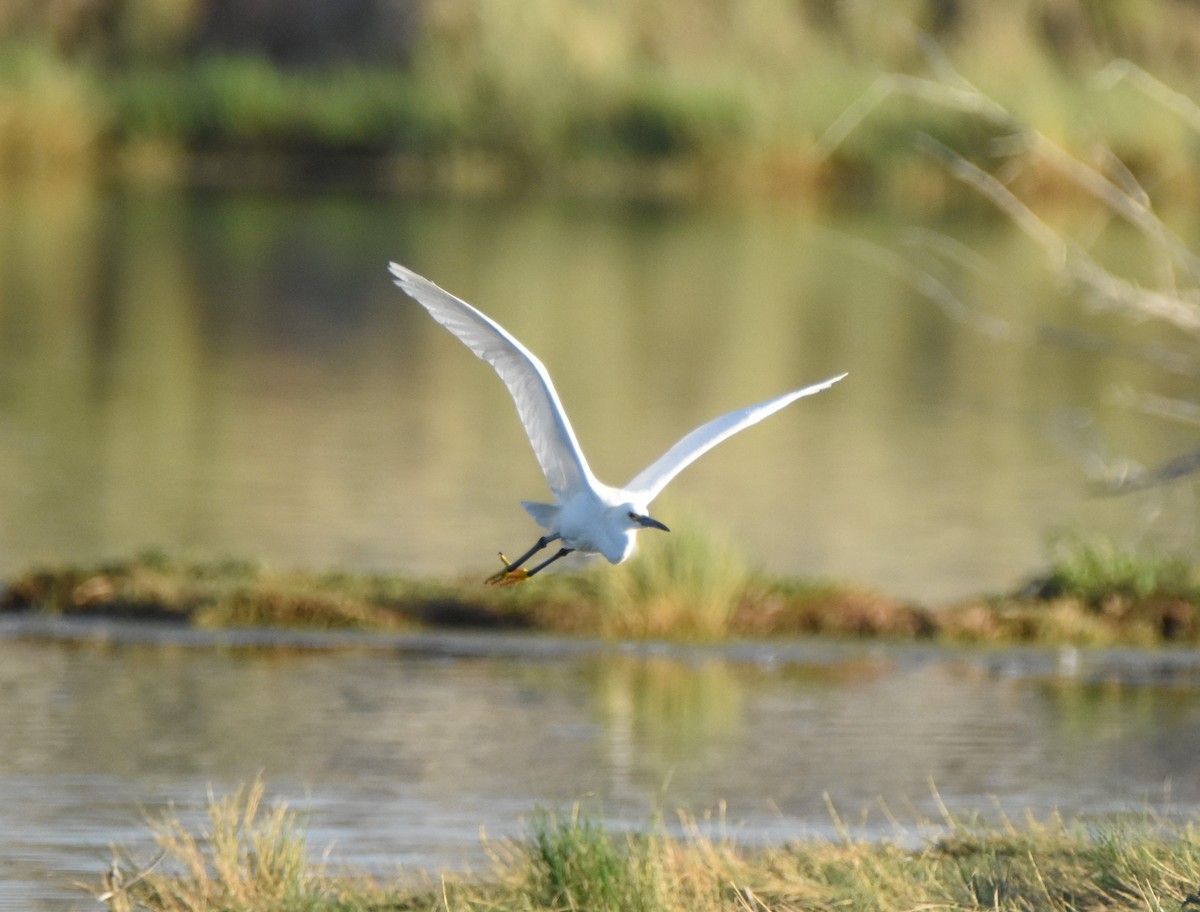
pixel 400 755
pixel 234 374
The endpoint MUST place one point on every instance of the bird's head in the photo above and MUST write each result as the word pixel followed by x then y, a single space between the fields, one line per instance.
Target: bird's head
pixel 638 519
pixel 630 519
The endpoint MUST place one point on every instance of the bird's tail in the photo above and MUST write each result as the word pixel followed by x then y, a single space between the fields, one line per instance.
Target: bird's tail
pixel 544 514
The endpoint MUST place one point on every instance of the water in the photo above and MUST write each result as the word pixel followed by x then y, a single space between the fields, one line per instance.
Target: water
pixel 234 375
pixel 402 751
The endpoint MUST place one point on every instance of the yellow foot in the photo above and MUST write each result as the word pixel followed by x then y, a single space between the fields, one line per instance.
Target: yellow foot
pixel 510 577
pixel 507 577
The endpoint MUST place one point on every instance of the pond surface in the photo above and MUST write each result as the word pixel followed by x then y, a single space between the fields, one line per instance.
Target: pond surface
pixel 402 750
pixel 233 374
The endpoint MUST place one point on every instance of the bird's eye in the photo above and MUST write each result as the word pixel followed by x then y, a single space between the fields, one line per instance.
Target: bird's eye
pixel 633 516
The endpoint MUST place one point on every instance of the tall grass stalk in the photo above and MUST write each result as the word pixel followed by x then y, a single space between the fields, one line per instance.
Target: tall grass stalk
pixel 249 858
pixel 685 584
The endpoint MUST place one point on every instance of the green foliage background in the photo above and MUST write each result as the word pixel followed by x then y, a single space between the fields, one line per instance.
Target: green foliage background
pixel 509 92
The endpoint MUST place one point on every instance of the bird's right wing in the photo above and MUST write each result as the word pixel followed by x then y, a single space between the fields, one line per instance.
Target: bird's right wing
pixel 650 482
pixel 538 405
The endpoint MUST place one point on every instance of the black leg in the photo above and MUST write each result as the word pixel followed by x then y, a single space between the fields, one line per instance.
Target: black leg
pixel 509 567
pixel 562 552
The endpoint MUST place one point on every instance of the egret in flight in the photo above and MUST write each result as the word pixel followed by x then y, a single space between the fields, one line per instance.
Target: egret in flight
pixel 587 515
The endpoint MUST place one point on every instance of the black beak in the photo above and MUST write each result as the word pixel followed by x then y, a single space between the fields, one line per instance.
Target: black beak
pixel 651 523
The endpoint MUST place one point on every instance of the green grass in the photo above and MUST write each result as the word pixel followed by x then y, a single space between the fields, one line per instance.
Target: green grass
pixel 1097 572
pixel 573 863
pixel 256 859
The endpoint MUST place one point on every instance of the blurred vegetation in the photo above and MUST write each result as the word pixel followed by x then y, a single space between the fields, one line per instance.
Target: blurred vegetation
pixel 1040 100
pixel 252 856
pixel 687 588
pixel 1098 573
pixel 657 97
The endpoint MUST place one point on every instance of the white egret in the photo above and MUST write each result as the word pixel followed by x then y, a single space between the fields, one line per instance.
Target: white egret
pixel 587 515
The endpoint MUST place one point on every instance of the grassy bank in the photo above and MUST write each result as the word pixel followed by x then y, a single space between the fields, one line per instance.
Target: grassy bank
pixel 690 589
pixel 255 858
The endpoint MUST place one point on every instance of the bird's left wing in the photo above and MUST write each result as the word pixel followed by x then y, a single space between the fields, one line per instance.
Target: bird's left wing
pixel 650 482
pixel 538 405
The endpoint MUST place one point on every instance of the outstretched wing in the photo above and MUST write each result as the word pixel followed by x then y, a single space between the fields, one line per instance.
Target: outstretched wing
pixel 650 482
pixel 538 405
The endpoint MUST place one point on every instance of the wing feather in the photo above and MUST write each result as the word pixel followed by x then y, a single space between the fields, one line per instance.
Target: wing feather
pixel 650 481
pixel 528 383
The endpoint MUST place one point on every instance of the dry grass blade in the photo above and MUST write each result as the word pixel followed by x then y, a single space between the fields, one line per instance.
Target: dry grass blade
pixel 958 97
pixel 931 287
pixel 1127 71
pixel 1064 257
pixel 250 858
pixel 1122 196
pixel 1132 206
